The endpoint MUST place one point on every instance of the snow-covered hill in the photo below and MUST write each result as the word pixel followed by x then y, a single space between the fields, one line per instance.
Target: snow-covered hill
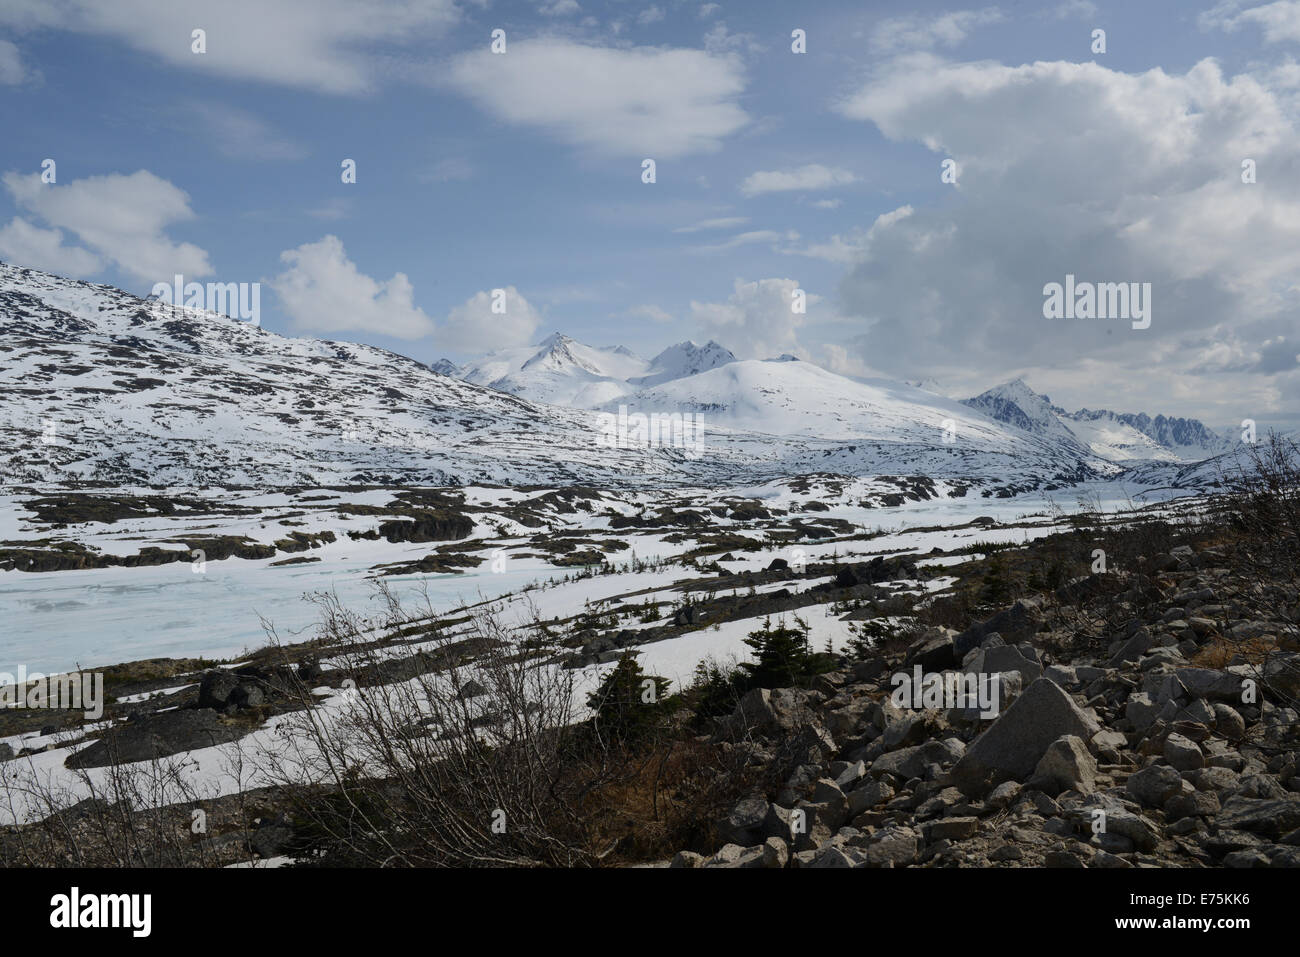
pixel 562 371
pixel 99 385
pixel 1115 436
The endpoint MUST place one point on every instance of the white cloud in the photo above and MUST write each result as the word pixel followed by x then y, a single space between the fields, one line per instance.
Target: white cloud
pixel 1280 21
pixel 721 222
pixel 12 71
pixel 812 176
pixel 23 244
pixel 1082 9
pixel 475 328
pixel 720 41
pixel 955 288
pixel 742 239
pixel 900 34
pixel 323 291
pixel 848 249
pixel 651 14
pixel 122 218
pixel 327 45
pixel 708 9
pixel 560 8
pixel 239 134
pixel 650 312
pixel 757 318
pixel 828 203
pixel 641 101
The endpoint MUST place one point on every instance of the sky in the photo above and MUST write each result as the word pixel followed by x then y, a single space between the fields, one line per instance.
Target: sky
pixel 774 171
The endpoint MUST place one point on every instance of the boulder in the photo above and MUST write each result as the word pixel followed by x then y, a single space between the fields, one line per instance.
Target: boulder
pixel 1014 744
pixel 745 824
pixel 1272 817
pixel 157 735
pixel 215 689
pixel 1068 763
pixel 1155 785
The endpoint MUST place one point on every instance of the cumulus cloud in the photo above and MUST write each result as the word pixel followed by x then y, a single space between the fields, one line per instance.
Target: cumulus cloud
pixel 638 101
pixel 810 177
pixel 957 284
pixel 757 318
pixel 916 32
pixel 327 45
pixel 12 71
pixel 24 244
pixel 323 291
pixel 474 328
pixel 1280 21
pixel 121 218
pixel 560 8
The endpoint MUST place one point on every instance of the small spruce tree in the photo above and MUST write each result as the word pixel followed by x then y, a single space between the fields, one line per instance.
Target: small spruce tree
pixel 629 703
pixel 783 654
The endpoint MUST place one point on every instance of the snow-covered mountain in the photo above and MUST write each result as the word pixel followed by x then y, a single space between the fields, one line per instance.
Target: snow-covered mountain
pixel 684 359
pixel 99 385
pixel 788 397
pixel 562 371
pixel 1114 436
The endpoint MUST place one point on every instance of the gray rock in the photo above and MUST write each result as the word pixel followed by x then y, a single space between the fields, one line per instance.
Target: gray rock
pixel 869 794
pixel 1136 828
pixel 1192 804
pixel 687 859
pixel 157 735
pixel 744 825
pixel 894 846
pixel 1003 795
pixel 1013 745
pixel 776 853
pixel 1273 817
pixel 1228 722
pixel 1068 763
pixel 215 689
pixel 1141 711
pixel 1154 785
pixel 1133 648
pixel 1004 658
pixel 953 828
pixel 1182 753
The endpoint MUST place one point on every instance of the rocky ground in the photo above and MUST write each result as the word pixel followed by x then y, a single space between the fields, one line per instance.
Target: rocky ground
pixel 1171 742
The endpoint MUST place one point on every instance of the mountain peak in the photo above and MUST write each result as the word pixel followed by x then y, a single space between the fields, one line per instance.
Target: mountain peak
pixel 684 359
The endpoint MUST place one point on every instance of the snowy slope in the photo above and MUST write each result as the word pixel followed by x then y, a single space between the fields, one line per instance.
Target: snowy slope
pixel 1114 436
pixel 684 359
pixel 558 370
pixel 99 385
pixel 562 371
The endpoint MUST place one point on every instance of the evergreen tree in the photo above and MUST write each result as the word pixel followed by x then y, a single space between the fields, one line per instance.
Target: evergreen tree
pixel 783 654
pixel 628 703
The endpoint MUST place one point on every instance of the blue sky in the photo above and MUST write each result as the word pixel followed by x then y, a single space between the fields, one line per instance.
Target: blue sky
pixel 775 170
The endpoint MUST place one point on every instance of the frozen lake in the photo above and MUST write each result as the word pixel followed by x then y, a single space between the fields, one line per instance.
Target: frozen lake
pixel 60 621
